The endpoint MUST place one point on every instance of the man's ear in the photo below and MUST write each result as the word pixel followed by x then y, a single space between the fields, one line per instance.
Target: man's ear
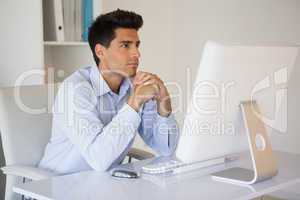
pixel 99 50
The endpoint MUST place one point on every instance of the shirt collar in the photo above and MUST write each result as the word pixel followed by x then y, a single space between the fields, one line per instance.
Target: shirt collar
pixel 99 84
pixel 125 86
pixel 101 87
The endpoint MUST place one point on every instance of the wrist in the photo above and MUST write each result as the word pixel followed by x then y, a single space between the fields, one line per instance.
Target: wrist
pixel 164 114
pixel 134 102
pixel 164 108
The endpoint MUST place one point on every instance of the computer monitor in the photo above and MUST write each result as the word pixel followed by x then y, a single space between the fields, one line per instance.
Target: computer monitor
pixel 227 75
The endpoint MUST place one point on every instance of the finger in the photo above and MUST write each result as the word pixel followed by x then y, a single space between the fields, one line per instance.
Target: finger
pixel 139 76
pixel 154 85
pixel 156 97
pixel 145 79
pixel 148 82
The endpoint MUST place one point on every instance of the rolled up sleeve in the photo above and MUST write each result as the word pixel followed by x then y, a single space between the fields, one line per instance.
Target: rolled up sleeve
pixel 160 133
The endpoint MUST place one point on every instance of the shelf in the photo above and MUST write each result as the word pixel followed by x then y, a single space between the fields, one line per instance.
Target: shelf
pixel 55 43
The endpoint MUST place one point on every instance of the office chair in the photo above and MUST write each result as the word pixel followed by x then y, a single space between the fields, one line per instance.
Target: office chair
pixel 25 131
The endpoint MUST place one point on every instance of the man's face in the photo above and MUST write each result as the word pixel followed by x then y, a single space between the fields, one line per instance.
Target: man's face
pixel 122 56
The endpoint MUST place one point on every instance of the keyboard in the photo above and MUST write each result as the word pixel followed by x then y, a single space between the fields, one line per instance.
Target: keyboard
pixel 176 166
pixel 162 167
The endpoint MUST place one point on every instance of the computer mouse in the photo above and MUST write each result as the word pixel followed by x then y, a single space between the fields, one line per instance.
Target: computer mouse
pixel 121 173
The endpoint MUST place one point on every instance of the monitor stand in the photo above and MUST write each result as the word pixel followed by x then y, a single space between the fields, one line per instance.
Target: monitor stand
pixel 263 159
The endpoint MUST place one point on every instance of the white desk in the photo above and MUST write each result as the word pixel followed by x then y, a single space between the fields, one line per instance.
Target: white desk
pixel 190 185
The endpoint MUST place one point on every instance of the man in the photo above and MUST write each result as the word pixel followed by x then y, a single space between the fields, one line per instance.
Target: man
pixel 98 110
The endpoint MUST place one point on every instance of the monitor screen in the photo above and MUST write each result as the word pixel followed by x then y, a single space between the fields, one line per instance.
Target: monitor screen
pixel 227 75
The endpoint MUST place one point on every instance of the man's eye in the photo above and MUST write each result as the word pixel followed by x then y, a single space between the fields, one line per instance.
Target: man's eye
pixel 125 45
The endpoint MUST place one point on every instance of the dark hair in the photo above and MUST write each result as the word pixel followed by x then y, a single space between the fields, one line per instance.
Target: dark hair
pixel 103 28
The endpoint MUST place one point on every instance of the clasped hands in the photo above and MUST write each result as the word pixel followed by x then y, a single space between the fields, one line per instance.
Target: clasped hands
pixel 147 86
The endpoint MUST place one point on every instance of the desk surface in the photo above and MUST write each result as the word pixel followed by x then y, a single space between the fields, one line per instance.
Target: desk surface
pixel 189 185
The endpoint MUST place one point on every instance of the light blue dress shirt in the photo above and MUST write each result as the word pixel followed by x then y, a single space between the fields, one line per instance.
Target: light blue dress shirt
pixel 94 128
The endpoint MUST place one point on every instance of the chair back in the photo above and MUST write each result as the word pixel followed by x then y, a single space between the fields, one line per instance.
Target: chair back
pixel 25 122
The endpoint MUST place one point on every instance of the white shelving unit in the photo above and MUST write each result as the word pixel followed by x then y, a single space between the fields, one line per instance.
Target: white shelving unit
pixel 61 58
pixel 55 43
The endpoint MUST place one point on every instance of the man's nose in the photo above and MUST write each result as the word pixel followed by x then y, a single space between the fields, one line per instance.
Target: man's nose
pixel 136 53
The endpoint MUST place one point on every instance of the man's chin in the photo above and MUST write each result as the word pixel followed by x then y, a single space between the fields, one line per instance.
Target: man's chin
pixel 131 72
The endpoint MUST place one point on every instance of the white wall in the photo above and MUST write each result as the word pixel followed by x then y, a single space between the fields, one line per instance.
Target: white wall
pixel 156 44
pixel 21 46
pixel 251 22
pixel 175 31
pixel 248 22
